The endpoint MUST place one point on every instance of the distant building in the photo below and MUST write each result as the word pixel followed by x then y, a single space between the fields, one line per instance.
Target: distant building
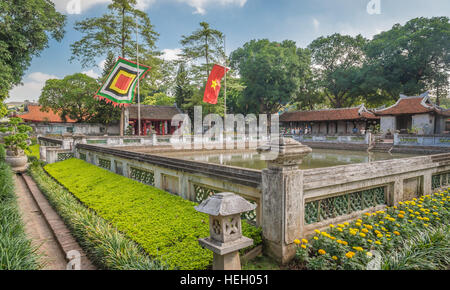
pixel 34 114
pixel 331 121
pixel 415 113
pixel 154 119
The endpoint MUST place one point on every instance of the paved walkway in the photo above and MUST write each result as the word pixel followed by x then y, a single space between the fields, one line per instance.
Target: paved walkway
pixel 45 228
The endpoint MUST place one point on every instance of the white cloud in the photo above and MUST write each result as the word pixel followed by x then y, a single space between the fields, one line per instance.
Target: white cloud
pixel 31 87
pixel 200 5
pixel 70 6
pixel 91 73
pixel 171 54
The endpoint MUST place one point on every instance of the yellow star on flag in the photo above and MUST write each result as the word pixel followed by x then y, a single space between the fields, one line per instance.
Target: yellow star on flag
pixel 215 83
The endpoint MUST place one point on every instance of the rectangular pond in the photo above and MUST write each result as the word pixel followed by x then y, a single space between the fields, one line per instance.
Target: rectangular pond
pixel 319 158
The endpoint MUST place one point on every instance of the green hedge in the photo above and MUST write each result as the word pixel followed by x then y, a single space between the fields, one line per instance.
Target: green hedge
pixel 106 247
pixel 166 226
pixel 33 152
pixel 16 251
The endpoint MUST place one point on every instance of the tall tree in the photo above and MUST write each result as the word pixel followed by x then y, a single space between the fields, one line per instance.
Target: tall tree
pixel 114 31
pixel 72 97
pixel 25 29
pixel 411 58
pixel 271 73
pixel 337 60
pixel 205 43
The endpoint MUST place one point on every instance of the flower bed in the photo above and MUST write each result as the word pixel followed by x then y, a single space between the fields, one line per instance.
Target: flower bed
pixel 16 251
pixel 387 233
pixel 166 226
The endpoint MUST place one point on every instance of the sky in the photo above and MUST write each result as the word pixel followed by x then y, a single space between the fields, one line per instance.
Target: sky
pixel 240 20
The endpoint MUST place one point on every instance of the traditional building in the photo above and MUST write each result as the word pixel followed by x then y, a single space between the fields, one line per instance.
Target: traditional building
pixel 418 114
pixel 34 114
pixel 154 119
pixel 331 121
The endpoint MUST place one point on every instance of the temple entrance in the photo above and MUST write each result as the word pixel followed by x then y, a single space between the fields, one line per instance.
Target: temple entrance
pixel 404 123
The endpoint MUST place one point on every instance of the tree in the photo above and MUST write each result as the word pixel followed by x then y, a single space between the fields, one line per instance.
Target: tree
pixel 72 97
pixel 271 73
pixel 411 58
pixel 159 99
pixel 184 91
pixel 205 43
pixel 115 32
pixel 336 61
pixel 25 29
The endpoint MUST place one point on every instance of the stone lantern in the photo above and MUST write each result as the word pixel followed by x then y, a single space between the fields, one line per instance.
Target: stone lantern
pixel 224 210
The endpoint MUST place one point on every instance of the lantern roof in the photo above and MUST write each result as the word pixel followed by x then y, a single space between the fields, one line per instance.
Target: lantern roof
pixel 225 204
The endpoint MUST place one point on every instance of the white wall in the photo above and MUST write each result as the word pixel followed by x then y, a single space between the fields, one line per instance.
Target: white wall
pixel 78 128
pixel 423 122
pixel 387 123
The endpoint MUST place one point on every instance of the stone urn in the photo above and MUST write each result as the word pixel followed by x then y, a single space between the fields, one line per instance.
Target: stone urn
pixel 18 163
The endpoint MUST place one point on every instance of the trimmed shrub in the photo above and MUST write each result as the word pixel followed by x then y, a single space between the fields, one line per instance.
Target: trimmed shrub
pixel 33 152
pixel 16 251
pixel 166 226
pixel 104 244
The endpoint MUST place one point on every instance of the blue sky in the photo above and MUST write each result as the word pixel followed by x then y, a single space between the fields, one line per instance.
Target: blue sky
pixel 241 21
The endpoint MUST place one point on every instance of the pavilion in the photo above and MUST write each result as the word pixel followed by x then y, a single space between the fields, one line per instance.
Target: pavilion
pixel 154 119
pixel 415 113
pixel 331 121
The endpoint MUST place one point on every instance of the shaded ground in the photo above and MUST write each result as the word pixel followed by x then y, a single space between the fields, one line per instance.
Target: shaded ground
pixel 38 230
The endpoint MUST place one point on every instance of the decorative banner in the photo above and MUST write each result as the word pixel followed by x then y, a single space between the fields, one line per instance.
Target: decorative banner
pixel 213 85
pixel 120 86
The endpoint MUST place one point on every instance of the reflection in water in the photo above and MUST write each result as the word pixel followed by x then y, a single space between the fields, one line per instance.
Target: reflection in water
pixel 319 158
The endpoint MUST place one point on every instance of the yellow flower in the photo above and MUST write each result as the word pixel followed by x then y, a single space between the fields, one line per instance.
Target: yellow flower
pixel 359 249
pixel 344 243
pixel 358 224
pixel 370 241
pixel 316 238
pixel 297 242
pixel 378 242
pixel 331 226
pixel 425 225
pixel 359 220
pixel 317 231
pixel 365 231
pixel 340 229
pixel 363 235
pixel 304 241
pixel 369 227
pixel 379 236
pixel 334 258
pixel 369 254
pixel 303 246
pixel 322 252
pixel 396 233
pixel 347 223
pixel 350 255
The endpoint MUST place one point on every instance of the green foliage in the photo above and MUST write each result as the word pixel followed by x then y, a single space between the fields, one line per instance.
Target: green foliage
pixel 107 247
pixel 166 226
pixel 33 152
pixel 205 43
pixel 271 73
pixel 114 32
pixel 73 97
pixel 2 152
pixel 159 99
pixel 25 29
pixel 337 60
pixel 18 135
pixel 409 59
pixel 16 252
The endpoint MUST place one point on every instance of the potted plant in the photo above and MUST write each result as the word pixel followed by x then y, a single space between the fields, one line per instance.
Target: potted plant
pixel 16 142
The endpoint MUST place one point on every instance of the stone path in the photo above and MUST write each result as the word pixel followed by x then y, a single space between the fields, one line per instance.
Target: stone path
pixel 45 227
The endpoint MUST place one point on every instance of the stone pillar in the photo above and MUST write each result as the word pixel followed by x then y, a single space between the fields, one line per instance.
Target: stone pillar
pixel 67 141
pixel 225 229
pixel 282 198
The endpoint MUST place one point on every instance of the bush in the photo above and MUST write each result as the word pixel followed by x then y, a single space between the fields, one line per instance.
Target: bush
pixel 2 153
pixel 166 226
pixel 33 152
pixel 16 251
pixel 395 233
pixel 104 244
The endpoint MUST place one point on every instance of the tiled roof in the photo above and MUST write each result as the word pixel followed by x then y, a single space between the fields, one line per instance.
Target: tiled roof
pixel 413 105
pixel 154 112
pixel 346 114
pixel 35 114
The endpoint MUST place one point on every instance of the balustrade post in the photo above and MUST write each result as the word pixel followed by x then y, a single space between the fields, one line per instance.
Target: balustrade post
pixel 283 203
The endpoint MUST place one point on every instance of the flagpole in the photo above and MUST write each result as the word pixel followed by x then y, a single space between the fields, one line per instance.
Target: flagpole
pixel 225 92
pixel 137 74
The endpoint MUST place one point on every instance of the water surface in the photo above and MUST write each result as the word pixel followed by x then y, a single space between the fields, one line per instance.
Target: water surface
pixel 319 158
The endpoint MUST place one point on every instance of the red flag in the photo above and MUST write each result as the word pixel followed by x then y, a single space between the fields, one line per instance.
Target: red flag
pixel 213 85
